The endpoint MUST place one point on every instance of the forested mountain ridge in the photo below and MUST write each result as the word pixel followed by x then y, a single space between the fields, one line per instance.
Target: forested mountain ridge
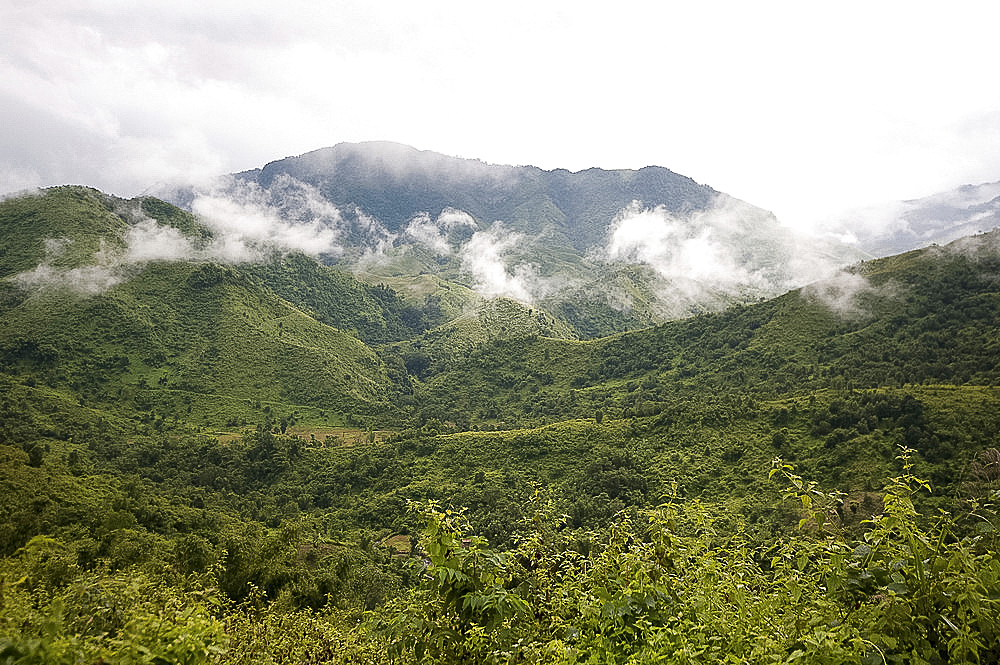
pixel 393 182
pixel 215 452
pixel 601 250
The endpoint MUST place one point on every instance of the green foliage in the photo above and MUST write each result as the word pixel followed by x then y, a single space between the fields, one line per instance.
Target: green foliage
pixel 678 590
pixel 375 313
pixel 101 618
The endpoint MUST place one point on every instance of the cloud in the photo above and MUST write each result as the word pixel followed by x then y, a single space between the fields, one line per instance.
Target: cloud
pixel 424 231
pixel 122 96
pixel 728 251
pixel 247 220
pixel 433 233
pixel 965 197
pixel 898 226
pixel 149 241
pixel 106 272
pixel 245 224
pixel 86 280
pixel 146 241
pixel 374 240
pixel 485 257
pixel 841 293
pixel 688 249
pixel 15 183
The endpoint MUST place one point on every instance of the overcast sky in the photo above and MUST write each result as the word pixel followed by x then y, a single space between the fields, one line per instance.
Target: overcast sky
pixel 802 108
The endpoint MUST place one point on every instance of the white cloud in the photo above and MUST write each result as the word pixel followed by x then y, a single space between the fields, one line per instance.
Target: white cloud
pixel 676 248
pixel 840 293
pixel 149 241
pixel 730 250
pixel 85 280
pixel 123 96
pixel 485 257
pixel 105 273
pixel 291 216
pixel 376 240
pixel 424 231
pixel 245 227
pixel 433 233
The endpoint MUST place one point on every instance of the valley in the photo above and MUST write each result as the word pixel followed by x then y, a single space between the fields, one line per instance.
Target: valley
pixel 216 449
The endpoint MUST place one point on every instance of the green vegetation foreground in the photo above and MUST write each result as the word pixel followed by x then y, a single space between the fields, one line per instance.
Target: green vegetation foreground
pixel 665 587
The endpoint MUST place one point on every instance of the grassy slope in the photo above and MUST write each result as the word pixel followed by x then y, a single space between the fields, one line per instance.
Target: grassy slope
pixel 180 331
pixel 79 218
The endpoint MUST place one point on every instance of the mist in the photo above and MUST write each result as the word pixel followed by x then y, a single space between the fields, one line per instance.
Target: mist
pixel 897 226
pixel 731 250
pixel 486 257
pixel 245 225
pixel 86 280
pixel 105 273
pixel 289 216
pixel 841 293
pixel 433 234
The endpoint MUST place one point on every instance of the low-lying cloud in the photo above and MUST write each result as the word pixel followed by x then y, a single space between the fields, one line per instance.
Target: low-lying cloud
pixel 841 293
pixel 374 239
pixel 486 257
pixel 898 226
pixel 146 241
pixel 149 241
pixel 728 250
pixel 244 223
pixel 105 273
pixel 289 216
pixel 434 233
pixel 676 248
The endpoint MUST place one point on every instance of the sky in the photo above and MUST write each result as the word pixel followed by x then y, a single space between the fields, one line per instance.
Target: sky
pixel 805 109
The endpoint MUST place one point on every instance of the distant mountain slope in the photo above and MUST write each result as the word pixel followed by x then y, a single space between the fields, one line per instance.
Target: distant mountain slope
pixel 603 251
pixel 393 182
pixel 938 219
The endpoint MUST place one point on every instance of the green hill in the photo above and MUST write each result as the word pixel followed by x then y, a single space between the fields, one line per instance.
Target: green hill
pixel 923 317
pixel 181 336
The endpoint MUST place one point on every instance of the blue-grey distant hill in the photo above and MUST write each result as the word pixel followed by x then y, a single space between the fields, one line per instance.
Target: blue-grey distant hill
pixel 938 219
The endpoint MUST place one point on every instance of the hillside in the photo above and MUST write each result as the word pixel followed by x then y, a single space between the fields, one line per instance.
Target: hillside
pixel 927 316
pixel 120 318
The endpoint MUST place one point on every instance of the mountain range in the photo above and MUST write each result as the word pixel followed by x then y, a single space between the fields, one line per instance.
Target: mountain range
pixel 601 251
pixel 101 295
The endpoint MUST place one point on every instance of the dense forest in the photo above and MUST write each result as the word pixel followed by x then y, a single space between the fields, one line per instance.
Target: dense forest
pixel 272 462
